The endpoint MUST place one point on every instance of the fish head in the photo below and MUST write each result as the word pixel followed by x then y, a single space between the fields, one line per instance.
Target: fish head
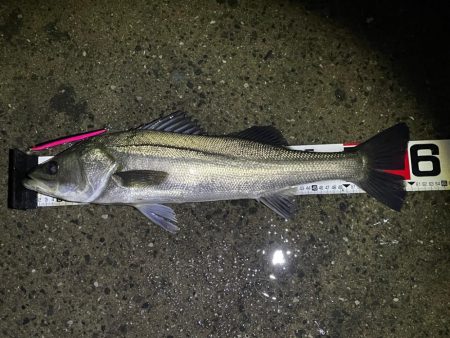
pixel 78 174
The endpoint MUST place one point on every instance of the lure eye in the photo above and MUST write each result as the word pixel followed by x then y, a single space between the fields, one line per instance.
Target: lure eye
pixel 52 167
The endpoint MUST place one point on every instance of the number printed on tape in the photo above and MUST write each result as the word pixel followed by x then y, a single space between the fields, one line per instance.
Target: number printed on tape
pixel 429 165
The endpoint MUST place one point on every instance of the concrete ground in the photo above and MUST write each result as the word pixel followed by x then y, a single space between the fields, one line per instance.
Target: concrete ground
pixel 352 267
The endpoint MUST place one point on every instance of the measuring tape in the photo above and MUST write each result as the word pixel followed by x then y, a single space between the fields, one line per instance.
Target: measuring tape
pixel 427 167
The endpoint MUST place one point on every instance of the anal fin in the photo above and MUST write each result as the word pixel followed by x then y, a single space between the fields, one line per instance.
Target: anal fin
pixel 160 214
pixel 282 203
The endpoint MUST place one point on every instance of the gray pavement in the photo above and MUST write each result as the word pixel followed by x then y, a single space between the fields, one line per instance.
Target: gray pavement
pixel 352 268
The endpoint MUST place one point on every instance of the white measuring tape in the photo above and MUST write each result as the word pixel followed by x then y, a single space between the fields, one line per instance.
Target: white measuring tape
pixel 427 167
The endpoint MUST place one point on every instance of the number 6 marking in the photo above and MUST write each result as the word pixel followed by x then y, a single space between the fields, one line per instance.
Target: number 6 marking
pixel 416 159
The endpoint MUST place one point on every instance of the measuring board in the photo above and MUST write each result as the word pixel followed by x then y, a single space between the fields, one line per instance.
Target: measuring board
pixel 427 167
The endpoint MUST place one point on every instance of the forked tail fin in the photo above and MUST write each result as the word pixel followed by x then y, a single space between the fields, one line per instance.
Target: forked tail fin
pixel 385 151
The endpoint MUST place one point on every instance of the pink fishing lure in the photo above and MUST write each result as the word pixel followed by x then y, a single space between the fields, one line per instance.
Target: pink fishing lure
pixel 67 139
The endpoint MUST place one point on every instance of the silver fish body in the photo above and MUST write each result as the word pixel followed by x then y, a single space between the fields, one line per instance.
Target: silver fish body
pixel 169 161
pixel 204 168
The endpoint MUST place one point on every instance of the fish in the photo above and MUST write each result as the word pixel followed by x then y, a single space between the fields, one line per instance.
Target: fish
pixel 172 160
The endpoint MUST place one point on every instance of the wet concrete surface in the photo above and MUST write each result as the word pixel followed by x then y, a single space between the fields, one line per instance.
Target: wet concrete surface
pixel 345 266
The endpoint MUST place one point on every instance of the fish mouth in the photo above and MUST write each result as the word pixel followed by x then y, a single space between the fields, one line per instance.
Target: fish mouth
pixel 35 185
pixel 29 183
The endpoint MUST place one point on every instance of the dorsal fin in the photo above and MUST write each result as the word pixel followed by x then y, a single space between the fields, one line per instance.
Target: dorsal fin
pixel 178 122
pixel 262 134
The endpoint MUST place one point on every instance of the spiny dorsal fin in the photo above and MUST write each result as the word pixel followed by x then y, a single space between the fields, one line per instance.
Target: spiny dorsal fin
pixel 262 134
pixel 282 203
pixel 139 178
pixel 178 122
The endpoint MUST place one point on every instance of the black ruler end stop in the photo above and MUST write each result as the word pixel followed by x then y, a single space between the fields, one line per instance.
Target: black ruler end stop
pixel 20 164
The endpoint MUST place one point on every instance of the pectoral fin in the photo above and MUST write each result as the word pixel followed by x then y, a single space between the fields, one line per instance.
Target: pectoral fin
pixel 160 214
pixel 282 203
pixel 139 178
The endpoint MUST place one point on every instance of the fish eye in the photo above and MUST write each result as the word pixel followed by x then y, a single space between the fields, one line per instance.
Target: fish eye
pixel 52 167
